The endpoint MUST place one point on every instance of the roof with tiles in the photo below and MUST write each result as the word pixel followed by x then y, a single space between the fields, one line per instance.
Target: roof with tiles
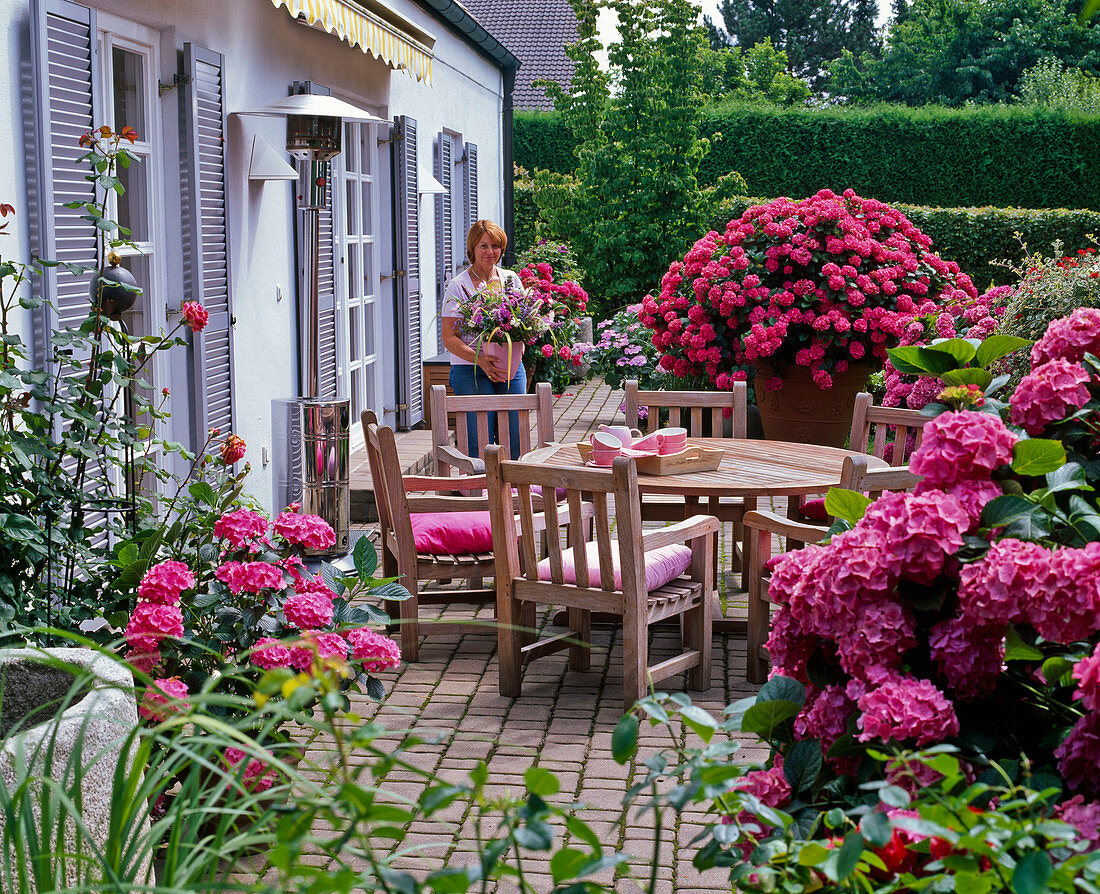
pixel 537 34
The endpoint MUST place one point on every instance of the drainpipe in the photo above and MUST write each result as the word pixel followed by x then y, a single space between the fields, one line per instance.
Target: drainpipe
pixel 509 165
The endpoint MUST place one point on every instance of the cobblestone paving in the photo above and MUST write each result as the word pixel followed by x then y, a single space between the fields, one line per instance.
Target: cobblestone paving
pixel 562 721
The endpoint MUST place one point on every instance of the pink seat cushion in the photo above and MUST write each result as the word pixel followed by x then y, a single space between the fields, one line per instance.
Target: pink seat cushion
pixel 814 510
pixel 661 565
pixel 560 493
pixel 452 533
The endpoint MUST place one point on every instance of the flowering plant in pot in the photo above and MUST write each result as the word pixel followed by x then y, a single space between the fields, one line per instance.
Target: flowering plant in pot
pixel 808 288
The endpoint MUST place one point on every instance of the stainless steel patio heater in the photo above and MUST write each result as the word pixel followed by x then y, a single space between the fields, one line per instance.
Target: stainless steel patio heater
pixel 314 124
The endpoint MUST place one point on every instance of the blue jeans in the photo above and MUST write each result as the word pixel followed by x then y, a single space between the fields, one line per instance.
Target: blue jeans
pixel 469 379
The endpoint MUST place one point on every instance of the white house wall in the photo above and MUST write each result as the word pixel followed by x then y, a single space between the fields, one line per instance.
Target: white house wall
pixel 264 51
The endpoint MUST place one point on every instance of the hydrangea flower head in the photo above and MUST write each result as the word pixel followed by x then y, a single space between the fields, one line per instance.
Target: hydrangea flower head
pixel 165 582
pixel 961 445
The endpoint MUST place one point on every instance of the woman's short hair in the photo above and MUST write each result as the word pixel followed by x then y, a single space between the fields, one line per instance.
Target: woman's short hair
pixel 485 228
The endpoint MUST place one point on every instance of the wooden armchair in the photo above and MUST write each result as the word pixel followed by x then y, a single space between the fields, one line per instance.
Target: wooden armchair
pixel 404 499
pixel 761 527
pixel 483 408
pixel 880 430
pixel 702 413
pixel 605 575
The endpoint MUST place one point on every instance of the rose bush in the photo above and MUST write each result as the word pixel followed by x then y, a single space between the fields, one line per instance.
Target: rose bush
pixel 820 283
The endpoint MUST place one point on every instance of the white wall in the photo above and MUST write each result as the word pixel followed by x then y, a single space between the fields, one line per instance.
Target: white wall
pixel 265 50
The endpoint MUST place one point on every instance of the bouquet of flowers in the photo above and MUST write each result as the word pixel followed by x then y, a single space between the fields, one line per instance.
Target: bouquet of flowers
pixel 505 314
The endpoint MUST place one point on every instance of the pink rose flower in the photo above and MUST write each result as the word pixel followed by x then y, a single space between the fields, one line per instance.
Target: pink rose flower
pixel 194 315
pixel 165 582
pixel 155 704
pixel 242 528
pixel 233 450
pixel 375 651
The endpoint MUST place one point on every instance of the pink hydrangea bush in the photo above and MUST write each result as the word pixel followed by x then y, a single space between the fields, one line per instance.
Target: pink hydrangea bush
pixel 932 618
pixel 253 607
pixel 820 283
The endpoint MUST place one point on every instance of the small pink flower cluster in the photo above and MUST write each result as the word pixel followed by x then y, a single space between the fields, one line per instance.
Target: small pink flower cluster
pixel 377 652
pixel 955 315
pixel 194 315
pixel 904 708
pixel 258 776
pixel 157 615
pixel 566 294
pixel 820 283
pixel 243 528
pixel 1049 393
pixel 1069 338
pixel 155 704
pixel 307 531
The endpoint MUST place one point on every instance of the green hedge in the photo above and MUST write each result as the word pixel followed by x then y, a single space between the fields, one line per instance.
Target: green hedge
pixel 1004 156
pixel 975 237
pixel 541 140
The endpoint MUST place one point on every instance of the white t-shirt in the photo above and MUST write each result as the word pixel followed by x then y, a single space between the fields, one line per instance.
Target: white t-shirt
pixel 457 288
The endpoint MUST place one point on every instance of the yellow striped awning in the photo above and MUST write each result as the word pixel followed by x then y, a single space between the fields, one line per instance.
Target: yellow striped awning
pixel 362 28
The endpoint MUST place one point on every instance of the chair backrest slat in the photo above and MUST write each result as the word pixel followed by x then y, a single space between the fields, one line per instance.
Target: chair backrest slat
pixel 685 409
pixel 537 408
pixel 890 433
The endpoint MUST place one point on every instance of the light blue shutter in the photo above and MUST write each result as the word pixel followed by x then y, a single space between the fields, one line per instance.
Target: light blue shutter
pixel 66 88
pixel 410 395
pixel 444 226
pixel 470 190
pixel 206 231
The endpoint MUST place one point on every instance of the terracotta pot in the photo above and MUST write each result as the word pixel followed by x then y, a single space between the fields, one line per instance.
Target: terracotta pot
pixel 804 413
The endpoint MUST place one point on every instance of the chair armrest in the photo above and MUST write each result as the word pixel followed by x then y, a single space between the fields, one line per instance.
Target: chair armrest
pixel 777 524
pixel 681 531
pixel 436 503
pixel 443 482
pixel 452 456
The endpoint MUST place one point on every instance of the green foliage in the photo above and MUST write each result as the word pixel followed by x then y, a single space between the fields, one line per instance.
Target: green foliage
pixel 958 51
pixel 1051 286
pixel 979 240
pixel 637 202
pixel 1055 86
pixel 76 428
pixel 1002 156
pixel 758 75
pixel 810 32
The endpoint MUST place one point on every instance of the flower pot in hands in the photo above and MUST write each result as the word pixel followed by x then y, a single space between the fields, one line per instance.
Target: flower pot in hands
pixel 501 355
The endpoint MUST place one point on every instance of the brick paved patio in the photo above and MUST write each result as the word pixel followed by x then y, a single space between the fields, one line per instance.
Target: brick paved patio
pixel 562 721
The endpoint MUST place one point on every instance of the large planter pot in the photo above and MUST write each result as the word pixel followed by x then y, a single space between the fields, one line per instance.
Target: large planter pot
pixel 804 413
pixel 75 738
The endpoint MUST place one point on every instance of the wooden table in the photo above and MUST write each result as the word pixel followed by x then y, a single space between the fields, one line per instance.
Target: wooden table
pixel 750 469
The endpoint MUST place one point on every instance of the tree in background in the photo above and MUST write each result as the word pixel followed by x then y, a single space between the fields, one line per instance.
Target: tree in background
pixel 811 32
pixel 636 203
pixel 957 51
pixel 757 75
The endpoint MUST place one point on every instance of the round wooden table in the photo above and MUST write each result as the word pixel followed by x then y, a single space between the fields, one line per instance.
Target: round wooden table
pixel 750 469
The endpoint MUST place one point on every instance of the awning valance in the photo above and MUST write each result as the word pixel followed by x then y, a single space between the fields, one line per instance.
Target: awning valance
pixel 362 28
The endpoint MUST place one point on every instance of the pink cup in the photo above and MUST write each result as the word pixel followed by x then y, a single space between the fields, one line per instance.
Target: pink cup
pixel 606 457
pixel 649 443
pixel 671 440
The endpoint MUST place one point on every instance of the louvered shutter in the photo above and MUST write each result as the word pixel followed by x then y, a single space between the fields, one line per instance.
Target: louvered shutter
pixel 470 190
pixel 205 231
pixel 410 398
pixel 326 279
pixel 444 226
pixel 66 104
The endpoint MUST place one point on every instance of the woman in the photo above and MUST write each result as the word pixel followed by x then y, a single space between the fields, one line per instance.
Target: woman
pixel 473 371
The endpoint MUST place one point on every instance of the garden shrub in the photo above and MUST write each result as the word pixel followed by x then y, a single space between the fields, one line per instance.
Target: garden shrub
pixel 979 240
pixel 1005 156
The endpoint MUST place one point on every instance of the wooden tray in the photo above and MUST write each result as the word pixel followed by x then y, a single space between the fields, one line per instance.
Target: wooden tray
pixel 690 459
